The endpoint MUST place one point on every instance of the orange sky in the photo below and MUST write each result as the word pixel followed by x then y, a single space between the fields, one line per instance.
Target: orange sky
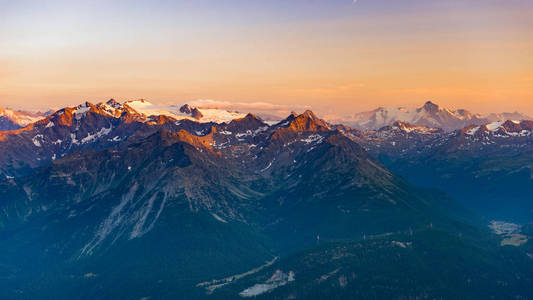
pixel 347 59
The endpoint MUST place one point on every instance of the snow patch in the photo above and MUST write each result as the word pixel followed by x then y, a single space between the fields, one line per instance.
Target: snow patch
pixel 219 115
pixel 81 111
pixel 401 244
pixel 212 285
pixel 36 139
pixel 74 139
pixel 218 218
pixel 314 138
pixel 504 228
pixel 267 167
pixel 93 137
pixel 279 278
pixel 473 130
pixel 494 125
pixel 327 276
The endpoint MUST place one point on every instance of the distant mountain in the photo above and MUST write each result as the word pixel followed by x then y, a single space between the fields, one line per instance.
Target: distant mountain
pixel 12 120
pixel 516 116
pixel 488 167
pixel 430 115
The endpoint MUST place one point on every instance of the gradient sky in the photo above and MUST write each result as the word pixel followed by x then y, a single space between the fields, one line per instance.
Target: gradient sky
pixel 337 56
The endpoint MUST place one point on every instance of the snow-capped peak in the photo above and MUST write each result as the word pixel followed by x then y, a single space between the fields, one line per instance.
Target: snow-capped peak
pixel 180 112
pixel 429 115
pixel 19 118
pixel 509 128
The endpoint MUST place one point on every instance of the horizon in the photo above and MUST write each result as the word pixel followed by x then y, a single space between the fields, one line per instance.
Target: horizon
pixel 262 108
pixel 333 56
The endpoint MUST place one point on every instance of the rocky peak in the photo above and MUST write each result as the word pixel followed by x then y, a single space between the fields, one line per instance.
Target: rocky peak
pixel 310 114
pixel 196 114
pixel 516 126
pixel 114 104
pixel 463 113
pixel 501 129
pixel 249 122
pixel 186 109
pixel 307 121
pixel 431 107
pixel 192 111
pixel 295 125
pixel 511 126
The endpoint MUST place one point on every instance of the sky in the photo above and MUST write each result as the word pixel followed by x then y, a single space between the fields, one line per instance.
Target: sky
pixel 335 56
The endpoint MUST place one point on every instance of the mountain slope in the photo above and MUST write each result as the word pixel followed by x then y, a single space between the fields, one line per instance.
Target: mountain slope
pixel 424 264
pixel 487 167
pixel 94 213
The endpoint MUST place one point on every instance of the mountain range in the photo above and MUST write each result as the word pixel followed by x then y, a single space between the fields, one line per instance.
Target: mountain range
pixel 429 115
pixel 11 119
pixel 488 167
pixel 135 201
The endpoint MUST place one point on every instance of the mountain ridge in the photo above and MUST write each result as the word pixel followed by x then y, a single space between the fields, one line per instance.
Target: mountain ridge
pixel 430 115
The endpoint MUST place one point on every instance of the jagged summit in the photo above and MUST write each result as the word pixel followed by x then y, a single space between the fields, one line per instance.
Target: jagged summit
pixel 249 122
pixel 306 121
pixel 431 107
pixel 142 110
pixel 113 103
pixel 310 114
pixel 192 111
